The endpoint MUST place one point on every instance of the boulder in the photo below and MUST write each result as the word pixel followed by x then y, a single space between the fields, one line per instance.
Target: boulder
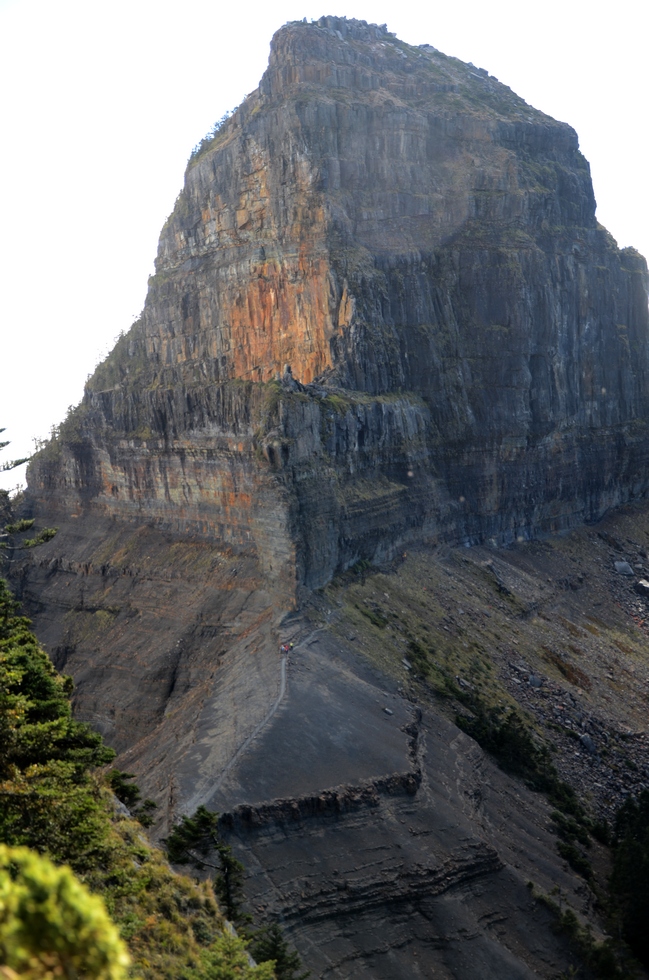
pixel 588 743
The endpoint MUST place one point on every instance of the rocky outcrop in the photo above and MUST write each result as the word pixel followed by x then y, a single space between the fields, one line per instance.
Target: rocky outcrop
pixel 401 884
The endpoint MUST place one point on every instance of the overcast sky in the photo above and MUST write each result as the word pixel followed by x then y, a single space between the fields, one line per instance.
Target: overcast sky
pixel 101 104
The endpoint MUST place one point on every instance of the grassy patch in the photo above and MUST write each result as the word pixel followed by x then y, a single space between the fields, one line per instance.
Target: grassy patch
pixel 568 670
pixel 337 404
pixel 374 617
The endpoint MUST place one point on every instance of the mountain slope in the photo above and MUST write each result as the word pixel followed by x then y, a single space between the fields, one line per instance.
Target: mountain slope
pixel 383 319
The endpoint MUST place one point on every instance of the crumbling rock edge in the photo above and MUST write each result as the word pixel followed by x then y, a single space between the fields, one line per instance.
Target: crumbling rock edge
pixel 333 802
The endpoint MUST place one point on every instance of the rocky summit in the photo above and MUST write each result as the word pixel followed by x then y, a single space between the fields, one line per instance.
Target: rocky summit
pixel 385 339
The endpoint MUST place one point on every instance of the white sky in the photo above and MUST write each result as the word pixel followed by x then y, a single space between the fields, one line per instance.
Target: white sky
pixel 102 102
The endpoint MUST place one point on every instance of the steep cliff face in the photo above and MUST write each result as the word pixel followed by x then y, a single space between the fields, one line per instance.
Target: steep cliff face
pixel 420 246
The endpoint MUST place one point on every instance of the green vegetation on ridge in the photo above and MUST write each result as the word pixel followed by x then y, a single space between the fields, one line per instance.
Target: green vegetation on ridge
pixel 55 800
pixel 197 841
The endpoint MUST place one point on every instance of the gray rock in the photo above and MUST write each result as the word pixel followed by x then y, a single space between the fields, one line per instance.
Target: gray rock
pixel 535 681
pixel 243 309
pixel 121 808
pixel 623 568
pixel 588 743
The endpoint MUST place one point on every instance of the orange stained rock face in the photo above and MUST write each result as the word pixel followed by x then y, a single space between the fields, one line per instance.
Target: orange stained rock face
pixel 267 296
pixel 286 315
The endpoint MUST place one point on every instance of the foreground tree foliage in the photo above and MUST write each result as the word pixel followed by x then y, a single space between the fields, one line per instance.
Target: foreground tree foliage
pixel 50 924
pixel 56 799
pixel 48 799
pixel 226 958
pixel 11 530
pixel 268 943
pixel 10 464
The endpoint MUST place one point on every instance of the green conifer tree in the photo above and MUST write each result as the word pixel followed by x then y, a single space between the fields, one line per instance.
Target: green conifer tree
pixel 268 943
pixel 11 530
pixel 196 840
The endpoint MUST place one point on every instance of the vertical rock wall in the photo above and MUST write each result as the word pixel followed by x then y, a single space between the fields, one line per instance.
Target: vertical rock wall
pixel 468 347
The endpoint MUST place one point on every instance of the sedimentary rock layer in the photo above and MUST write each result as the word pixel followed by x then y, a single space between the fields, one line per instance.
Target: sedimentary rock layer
pixel 420 246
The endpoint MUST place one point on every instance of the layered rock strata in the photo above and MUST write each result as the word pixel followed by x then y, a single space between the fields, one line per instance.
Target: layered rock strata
pixel 468 347
pixel 420 874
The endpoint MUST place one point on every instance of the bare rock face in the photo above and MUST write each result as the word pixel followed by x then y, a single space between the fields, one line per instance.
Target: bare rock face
pixel 383 313
pixel 468 347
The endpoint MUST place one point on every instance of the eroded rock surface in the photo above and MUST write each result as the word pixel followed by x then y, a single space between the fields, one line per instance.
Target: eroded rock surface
pixel 419 245
pixel 422 872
